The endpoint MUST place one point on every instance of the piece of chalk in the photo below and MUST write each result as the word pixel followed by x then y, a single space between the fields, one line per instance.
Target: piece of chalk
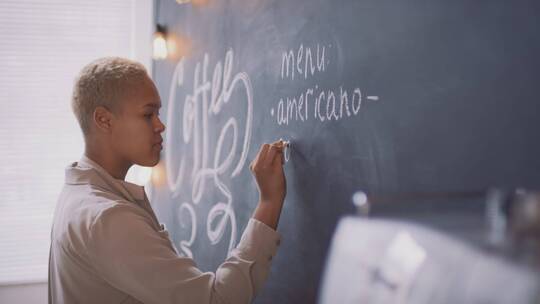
pixel 286 148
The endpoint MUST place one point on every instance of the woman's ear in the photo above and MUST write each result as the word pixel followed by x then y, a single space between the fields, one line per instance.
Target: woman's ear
pixel 103 119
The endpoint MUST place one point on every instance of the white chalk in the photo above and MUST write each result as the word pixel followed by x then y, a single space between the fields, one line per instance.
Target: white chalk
pixel 286 149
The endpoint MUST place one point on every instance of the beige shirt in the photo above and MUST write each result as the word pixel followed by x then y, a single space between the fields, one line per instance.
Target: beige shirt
pixel 107 246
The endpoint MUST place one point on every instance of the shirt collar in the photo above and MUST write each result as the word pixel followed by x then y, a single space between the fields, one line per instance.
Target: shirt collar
pixel 87 171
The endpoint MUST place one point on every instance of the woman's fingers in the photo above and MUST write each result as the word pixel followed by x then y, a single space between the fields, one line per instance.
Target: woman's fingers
pixel 267 155
pixel 256 159
pixel 258 162
pixel 280 152
pixel 269 159
pixel 282 157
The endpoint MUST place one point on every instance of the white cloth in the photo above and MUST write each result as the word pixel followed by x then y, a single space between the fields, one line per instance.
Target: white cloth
pixel 107 246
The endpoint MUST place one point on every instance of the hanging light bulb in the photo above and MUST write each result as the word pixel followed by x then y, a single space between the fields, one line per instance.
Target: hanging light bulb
pixel 160 43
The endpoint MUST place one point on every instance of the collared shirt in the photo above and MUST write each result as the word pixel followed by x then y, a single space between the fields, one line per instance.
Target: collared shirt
pixel 107 246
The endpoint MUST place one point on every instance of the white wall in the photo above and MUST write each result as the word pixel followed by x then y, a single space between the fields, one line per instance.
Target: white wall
pixel 35 293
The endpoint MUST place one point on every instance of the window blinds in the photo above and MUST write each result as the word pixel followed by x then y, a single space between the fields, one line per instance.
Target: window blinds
pixel 43 45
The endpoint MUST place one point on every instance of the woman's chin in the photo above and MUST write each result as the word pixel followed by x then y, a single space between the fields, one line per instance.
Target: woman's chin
pixel 150 161
pixel 153 162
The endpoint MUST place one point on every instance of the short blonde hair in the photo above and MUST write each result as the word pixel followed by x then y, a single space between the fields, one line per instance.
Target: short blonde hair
pixel 101 83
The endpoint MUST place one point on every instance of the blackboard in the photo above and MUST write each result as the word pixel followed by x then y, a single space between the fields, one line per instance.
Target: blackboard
pixel 379 95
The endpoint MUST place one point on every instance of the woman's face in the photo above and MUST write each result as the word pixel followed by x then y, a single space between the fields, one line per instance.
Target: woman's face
pixel 136 135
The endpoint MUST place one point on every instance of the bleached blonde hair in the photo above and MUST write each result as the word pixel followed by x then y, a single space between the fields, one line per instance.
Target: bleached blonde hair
pixel 102 83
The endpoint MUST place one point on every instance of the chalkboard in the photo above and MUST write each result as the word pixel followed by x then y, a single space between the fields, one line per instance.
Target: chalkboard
pixel 379 95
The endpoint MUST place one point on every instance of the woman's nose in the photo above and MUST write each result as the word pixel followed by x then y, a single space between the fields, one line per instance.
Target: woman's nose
pixel 161 127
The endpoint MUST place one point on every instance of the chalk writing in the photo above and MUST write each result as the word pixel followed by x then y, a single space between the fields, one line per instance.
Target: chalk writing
pixel 185 246
pixel 301 61
pixel 316 103
pixel 207 99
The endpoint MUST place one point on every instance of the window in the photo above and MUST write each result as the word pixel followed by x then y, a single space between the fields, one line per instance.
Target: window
pixel 43 45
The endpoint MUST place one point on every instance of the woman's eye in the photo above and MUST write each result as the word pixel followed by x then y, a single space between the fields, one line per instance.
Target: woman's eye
pixel 148 115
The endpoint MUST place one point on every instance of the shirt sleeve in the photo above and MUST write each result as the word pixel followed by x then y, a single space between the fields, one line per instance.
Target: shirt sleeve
pixel 129 254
